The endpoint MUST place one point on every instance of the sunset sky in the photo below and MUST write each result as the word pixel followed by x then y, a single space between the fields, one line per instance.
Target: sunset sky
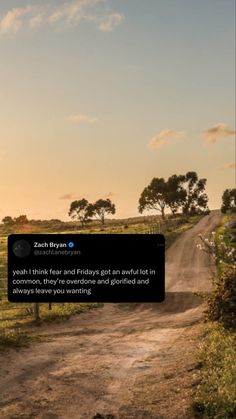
pixel 97 97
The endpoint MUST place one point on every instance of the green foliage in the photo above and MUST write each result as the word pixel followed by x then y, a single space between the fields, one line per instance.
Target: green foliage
pixel 222 301
pixel 14 339
pixel 173 232
pixel 176 193
pixel 84 211
pixel 229 201
pixel 196 198
pixel 179 191
pixel 154 196
pixel 65 311
pixel 8 221
pixel 21 220
pixel 100 208
pixel 80 210
pixel 216 393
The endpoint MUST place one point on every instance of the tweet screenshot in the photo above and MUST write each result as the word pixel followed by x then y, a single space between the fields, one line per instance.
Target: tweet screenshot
pixel 86 268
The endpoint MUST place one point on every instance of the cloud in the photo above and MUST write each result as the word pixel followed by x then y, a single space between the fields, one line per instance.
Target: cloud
pixel 82 118
pixel 71 195
pixel 165 137
pixel 217 132
pixel 110 22
pixel 73 12
pixel 36 21
pixel 108 195
pixel 13 19
pixel 67 196
pixel 228 166
pixel 70 13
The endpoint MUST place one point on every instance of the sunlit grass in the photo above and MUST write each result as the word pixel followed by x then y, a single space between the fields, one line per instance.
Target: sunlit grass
pixel 216 393
pixel 14 339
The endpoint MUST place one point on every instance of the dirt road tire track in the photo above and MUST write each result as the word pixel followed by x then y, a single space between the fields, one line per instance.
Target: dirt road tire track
pixel 102 361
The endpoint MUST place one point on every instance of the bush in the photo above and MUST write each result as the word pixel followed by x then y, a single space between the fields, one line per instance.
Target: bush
pixel 216 391
pixel 222 302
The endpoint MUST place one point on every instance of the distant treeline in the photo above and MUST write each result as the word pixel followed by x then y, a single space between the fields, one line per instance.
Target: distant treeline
pixel 179 193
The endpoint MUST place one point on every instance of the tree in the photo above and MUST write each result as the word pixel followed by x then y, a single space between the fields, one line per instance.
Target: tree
pixel 100 208
pixel 8 221
pixel 80 210
pixel 176 195
pixel 229 201
pixel 196 199
pixel 154 196
pixel 21 220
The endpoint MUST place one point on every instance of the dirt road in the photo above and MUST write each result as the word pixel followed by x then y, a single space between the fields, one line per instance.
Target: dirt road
pixel 110 362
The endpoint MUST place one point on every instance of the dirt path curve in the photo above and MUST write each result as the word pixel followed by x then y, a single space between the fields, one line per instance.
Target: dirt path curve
pixel 104 360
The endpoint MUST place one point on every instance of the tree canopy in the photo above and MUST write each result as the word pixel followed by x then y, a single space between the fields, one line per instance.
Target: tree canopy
pixel 154 196
pixel 176 193
pixel 186 192
pixel 196 199
pixel 102 207
pixel 80 210
pixel 8 220
pixel 229 201
pixel 84 211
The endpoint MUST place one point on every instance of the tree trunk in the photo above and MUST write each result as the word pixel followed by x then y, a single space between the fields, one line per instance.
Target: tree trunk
pixel 163 213
pixel 36 311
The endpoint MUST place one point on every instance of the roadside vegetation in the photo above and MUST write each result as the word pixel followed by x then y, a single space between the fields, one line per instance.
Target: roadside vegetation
pixel 216 392
pixel 13 339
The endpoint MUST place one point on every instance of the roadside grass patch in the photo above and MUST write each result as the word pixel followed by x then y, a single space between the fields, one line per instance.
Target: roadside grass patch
pixel 172 235
pixel 216 394
pixel 14 339
pixel 62 312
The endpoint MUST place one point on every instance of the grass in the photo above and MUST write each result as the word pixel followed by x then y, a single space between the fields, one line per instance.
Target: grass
pixel 223 234
pixel 15 339
pixel 216 393
pixel 64 311
pixel 174 233
pixel 23 316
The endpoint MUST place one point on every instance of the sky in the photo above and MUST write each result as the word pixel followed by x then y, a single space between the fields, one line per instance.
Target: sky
pixel 97 97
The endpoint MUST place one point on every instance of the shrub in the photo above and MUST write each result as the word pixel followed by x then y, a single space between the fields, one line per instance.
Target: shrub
pixel 222 301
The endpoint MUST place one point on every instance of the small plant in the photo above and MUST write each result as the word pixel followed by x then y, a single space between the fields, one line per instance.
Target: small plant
pixel 221 252
pixel 222 302
pixel 14 339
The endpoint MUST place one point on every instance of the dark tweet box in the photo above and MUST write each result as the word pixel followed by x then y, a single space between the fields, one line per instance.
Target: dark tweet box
pixel 86 268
